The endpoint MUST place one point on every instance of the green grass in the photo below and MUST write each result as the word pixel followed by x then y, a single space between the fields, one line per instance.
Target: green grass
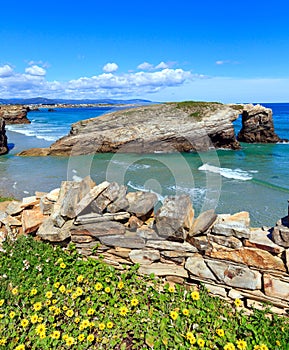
pixel 197 109
pixel 5 199
pixel 54 299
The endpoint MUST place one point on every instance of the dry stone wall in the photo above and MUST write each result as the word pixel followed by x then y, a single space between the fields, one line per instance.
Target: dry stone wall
pixel 232 259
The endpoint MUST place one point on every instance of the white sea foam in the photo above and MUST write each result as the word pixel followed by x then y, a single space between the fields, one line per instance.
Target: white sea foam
pixel 236 174
pixel 131 166
pixel 76 178
pixel 144 189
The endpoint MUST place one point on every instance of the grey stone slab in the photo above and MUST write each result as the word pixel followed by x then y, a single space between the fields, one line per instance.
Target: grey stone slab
pixel 169 245
pixel 234 275
pixel 196 266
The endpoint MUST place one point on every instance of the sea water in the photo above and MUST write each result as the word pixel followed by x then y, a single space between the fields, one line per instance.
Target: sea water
pixel 254 178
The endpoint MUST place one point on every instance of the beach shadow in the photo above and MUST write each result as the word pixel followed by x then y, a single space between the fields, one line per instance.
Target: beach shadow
pixel 11 146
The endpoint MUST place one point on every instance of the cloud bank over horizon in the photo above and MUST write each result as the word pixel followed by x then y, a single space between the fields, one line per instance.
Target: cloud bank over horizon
pixel 148 79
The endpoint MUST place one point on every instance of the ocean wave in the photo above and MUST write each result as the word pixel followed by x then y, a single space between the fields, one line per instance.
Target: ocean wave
pixel 236 174
pixel 144 189
pixel 196 193
pixel 131 166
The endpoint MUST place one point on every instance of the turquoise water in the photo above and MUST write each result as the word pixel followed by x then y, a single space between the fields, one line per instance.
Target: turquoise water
pixel 254 178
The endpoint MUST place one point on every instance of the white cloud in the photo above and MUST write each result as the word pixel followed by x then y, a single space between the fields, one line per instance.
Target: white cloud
pixel 110 67
pixel 162 65
pixel 150 67
pixel 35 70
pixel 145 66
pixel 6 71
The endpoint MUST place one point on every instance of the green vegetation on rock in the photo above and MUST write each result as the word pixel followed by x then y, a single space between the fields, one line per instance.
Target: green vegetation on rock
pixel 52 298
pixel 197 109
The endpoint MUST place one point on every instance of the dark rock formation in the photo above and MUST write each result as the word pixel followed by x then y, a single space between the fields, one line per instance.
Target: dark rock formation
pixel 257 125
pixel 3 138
pixel 14 114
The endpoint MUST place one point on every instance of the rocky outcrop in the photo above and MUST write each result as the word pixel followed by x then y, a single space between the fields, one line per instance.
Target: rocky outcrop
pixel 14 114
pixel 257 125
pixel 222 252
pixel 171 127
pixel 3 138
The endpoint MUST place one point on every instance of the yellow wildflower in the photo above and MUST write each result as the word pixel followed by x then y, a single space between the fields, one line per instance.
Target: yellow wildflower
pixel 174 315
pixel 278 343
pixel 190 337
pixel 90 312
pixel 201 342
pixel 24 322
pixel 107 289
pixel 70 341
pixel 54 301
pixel 62 265
pixel 220 332
pixel 56 285
pixel 85 323
pixel 55 335
pixel 42 335
pixel 48 302
pixel 69 313
pixel 109 325
pixel 263 347
pixel 229 346
pixel 134 302
pixel 185 312
pixel 241 344
pixel 81 337
pixel 65 336
pixel 80 278
pixel 62 289
pixel 90 338
pixel 120 285
pixel 79 291
pixel 14 291
pixel 34 318
pixel 98 286
pixel 12 314
pixel 37 306
pixel 77 320
pixel 57 311
pixel 33 291
pixel 171 289
pixel 3 341
pixel 41 328
pixel 1 302
pixel 64 308
pixel 238 302
pixel 123 310
pixel 195 295
pixel 20 347
pixel 101 326
pixel 49 294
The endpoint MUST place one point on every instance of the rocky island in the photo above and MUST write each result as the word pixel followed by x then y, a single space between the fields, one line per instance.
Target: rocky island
pixel 169 127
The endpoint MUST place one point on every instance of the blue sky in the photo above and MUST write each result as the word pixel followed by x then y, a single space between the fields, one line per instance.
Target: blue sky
pixel 224 51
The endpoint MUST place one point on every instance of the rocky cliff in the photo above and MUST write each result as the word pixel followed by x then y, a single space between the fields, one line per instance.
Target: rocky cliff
pixel 257 125
pixel 170 127
pixel 14 114
pixel 3 138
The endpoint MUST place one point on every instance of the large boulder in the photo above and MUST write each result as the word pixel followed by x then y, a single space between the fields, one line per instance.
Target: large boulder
pixel 14 114
pixel 175 218
pixel 257 125
pixel 169 127
pixel 3 138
